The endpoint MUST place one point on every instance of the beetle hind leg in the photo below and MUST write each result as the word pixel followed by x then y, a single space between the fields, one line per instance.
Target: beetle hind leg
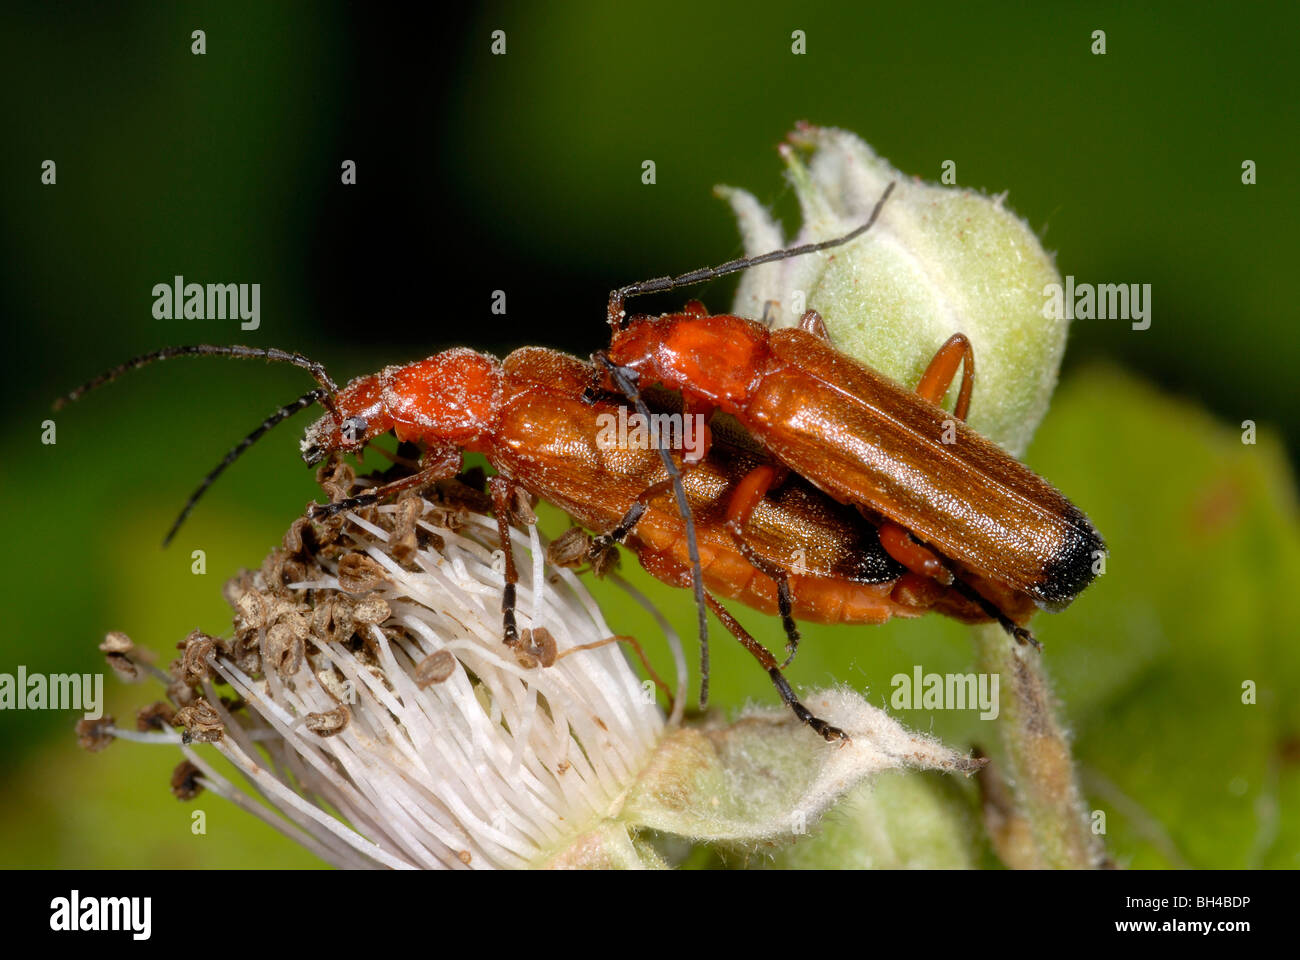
pixel 752 488
pixel 1018 633
pixel 812 322
pixel 916 557
pixel 829 733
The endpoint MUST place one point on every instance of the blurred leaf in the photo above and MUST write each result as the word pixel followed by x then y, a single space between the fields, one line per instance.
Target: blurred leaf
pixel 1199 598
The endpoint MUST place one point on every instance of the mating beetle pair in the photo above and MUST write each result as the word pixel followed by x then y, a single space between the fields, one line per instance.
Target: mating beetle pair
pixel 857 476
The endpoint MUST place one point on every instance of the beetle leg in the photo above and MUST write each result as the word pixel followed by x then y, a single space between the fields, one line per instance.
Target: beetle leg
pixel 812 322
pixel 503 499
pixel 938 376
pixel 768 662
pixel 625 380
pixel 917 591
pixel 605 542
pixel 752 488
pixel 436 464
pixel 769 308
pixel 900 545
pixel 1017 632
pixel 663 566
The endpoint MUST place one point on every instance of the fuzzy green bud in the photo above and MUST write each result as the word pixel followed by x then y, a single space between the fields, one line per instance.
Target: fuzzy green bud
pixel 939 260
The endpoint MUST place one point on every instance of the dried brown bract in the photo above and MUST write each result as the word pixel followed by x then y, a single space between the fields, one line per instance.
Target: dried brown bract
pixel 286 646
pixel 435 668
pixel 371 610
pixel 185 781
pixel 156 717
pixel 332 620
pixel 95 735
pixel 124 667
pixel 404 542
pixel 116 642
pixel 359 573
pixel 569 549
pixel 201 721
pixel 329 722
pixel 536 648
pixel 198 649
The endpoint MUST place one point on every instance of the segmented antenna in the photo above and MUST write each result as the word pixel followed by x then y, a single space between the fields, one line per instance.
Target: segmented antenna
pixel 617 298
pixel 284 413
pixel 324 395
pixel 270 354
pixel 623 380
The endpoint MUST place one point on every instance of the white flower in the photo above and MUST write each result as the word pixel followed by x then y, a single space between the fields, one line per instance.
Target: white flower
pixel 492 762
pixel 371 681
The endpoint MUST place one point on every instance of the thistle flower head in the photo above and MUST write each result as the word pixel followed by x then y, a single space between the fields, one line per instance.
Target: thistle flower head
pixel 377 708
pixel 374 705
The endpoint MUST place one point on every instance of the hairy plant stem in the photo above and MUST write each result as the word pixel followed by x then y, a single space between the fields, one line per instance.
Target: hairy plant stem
pixel 1039 767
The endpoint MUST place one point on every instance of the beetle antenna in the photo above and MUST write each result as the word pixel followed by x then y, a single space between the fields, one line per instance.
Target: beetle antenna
pixel 617 298
pixel 624 380
pixel 284 413
pixel 270 354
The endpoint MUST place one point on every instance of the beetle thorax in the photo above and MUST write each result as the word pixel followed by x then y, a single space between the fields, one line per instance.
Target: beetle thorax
pixel 453 397
pixel 715 359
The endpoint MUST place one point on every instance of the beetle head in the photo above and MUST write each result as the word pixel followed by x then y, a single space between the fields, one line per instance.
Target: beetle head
pixel 452 398
pixel 361 417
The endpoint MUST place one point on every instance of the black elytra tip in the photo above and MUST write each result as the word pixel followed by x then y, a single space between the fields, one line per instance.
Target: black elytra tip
pixel 1072 567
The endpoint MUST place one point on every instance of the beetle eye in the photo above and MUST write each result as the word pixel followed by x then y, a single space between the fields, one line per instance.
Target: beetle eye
pixel 353 429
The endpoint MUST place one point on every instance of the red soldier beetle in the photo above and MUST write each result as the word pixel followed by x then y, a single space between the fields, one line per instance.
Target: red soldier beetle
pixel 953 512
pixel 796 552
pixel 451 403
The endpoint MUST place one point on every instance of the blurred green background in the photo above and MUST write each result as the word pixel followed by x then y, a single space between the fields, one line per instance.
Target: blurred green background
pixel 523 173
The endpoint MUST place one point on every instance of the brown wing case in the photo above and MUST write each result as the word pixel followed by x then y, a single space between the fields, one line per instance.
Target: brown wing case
pixel 881 446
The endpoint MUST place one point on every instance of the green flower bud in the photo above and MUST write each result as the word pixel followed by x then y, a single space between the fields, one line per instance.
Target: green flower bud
pixel 767 779
pixel 938 261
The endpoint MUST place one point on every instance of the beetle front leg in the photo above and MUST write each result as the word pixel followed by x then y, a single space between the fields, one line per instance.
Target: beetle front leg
pixel 436 464
pixel 504 493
